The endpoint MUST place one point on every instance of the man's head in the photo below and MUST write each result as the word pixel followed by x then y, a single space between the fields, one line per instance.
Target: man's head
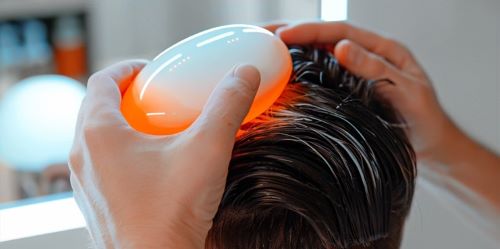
pixel 324 167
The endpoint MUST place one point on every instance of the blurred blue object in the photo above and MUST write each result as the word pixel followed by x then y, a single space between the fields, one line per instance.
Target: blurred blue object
pixel 36 42
pixel 11 52
pixel 37 121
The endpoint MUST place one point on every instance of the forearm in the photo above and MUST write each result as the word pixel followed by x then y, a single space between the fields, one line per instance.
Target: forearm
pixel 460 160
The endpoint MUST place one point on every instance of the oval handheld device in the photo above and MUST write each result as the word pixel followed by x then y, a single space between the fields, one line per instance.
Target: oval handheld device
pixel 170 91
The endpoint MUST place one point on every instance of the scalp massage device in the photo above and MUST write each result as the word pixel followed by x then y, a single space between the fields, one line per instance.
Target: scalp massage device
pixel 170 91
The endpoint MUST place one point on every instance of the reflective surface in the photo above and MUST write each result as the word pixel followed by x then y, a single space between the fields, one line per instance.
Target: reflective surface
pixel 51 39
pixel 170 92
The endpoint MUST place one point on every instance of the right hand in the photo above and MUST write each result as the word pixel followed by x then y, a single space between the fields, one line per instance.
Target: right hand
pixel 374 57
pixel 435 138
pixel 137 190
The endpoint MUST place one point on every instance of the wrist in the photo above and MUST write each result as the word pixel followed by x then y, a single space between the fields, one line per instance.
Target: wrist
pixel 451 143
pixel 151 241
pixel 139 238
pixel 171 234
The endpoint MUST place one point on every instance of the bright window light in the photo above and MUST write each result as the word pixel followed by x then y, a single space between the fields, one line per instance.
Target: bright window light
pixel 40 218
pixel 333 10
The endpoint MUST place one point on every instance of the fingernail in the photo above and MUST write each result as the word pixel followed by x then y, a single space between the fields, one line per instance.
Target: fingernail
pixel 346 51
pixel 249 74
pixel 280 29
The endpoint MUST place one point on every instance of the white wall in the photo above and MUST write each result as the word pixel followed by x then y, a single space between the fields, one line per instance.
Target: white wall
pixel 458 43
pixel 456 40
pixel 123 29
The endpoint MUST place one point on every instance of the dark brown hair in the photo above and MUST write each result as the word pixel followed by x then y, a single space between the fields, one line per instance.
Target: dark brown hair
pixel 326 166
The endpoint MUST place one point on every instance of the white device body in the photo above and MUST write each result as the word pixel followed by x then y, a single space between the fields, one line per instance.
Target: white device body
pixel 170 92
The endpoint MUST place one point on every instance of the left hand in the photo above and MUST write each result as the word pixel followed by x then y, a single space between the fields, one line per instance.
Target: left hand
pixel 375 57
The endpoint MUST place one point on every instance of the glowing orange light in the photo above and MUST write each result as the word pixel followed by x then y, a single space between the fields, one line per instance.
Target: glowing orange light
pixel 169 93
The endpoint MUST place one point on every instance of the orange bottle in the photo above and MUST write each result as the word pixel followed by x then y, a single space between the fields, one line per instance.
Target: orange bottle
pixel 69 48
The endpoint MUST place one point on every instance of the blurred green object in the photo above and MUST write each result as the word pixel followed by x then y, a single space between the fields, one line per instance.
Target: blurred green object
pixel 37 121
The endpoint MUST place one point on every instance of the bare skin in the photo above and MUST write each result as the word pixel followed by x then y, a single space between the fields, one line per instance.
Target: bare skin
pixel 438 142
pixel 141 191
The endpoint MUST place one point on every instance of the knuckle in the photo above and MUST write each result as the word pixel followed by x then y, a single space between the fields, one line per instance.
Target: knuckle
pixel 387 45
pixel 99 80
pixel 75 160
pixel 396 45
pixel 238 91
pixel 392 43
pixel 244 90
pixel 404 48
pixel 95 78
pixel 378 69
pixel 400 46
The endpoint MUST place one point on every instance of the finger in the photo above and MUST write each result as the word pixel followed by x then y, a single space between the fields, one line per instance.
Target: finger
pixel 332 32
pixel 104 90
pixel 228 104
pixel 372 67
pixel 274 26
pixel 114 79
pixel 365 63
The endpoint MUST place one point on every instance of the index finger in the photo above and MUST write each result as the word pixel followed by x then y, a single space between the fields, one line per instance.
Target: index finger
pixel 104 90
pixel 274 26
pixel 333 32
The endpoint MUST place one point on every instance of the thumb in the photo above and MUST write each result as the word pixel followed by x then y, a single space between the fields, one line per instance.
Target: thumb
pixel 228 104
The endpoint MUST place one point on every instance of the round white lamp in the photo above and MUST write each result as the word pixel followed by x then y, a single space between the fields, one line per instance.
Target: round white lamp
pixel 37 121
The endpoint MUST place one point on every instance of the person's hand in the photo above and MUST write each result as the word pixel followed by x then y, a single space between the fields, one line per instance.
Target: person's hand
pixel 435 138
pixel 374 57
pixel 143 191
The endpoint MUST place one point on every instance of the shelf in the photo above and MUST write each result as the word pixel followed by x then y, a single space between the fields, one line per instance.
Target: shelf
pixel 15 9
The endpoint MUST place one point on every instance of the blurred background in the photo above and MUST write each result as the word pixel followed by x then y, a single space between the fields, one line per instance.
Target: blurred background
pixel 74 38
pixel 48 49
